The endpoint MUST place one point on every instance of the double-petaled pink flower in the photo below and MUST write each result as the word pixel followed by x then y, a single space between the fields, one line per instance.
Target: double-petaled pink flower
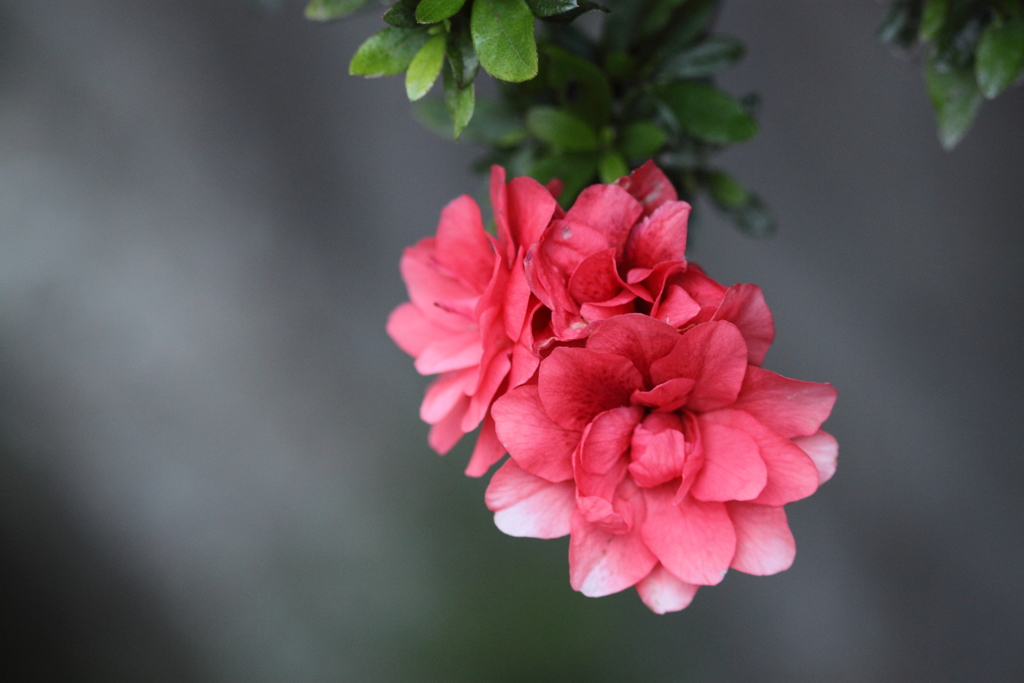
pixel 624 383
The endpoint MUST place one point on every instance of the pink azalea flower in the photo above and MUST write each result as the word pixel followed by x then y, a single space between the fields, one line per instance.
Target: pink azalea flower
pixel 619 249
pixel 623 381
pixel 470 312
pixel 666 455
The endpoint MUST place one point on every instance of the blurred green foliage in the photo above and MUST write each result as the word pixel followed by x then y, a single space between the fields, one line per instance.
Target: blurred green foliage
pixel 580 106
pixel 973 49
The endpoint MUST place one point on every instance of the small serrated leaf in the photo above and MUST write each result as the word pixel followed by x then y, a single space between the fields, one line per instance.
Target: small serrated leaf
pixel 561 129
pixel 433 11
pixel 425 68
pixel 1000 55
pixel 503 37
pixel 329 10
pixel 387 52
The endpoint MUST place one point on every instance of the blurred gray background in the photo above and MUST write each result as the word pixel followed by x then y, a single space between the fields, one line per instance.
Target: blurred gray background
pixel 211 463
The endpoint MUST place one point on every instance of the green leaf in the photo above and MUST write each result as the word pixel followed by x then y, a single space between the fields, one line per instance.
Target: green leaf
pixel 932 18
pixel 503 36
pixel 659 15
pixel 387 52
pixel 402 14
pixel 493 123
pixel 752 218
pixel 425 68
pixel 686 26
pixel 576 171
pixel 704 58
pixel 459 101
pixel 611 166
pixel 433 11
pixel 708 114
pixel 561 129
pixel 549 8
pixel 900 26
pixel 642 140
pixel 328 10
pixel 955 98
pixel 726 192
pixel 562 11
pixel 1000 55
pixel 461 54
pixel 581 87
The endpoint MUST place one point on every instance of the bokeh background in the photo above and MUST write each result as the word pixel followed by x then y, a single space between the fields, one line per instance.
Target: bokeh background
pixel 211 464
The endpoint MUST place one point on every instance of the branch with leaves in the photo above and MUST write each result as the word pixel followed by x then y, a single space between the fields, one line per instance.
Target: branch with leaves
pixel 974 49
pixel 576 105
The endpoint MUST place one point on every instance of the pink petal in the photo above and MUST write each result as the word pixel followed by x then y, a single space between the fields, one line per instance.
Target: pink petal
pixel 667 397
pixel 694 540
pixel 791 473
pixel 677 308
pixel 462 246
pixel 657 458
pixel 703 289
pixel 524 364
pixel 650 186
pixel 660 237
pixel 525 505
pixel 517 299
pixel 445 392
pixel 733 468
pixel 576 384
pixel 823 449
pixel 494 367
pixel 602 563
pixel 607 438
pixel 595 278
pixel 662 592
pixel 412 330
pixel 609 210
pixel 789 406
pixel 552 259
pixel 455 352
pixel 537 444
pixel 446 433
pixel 555 187
pixel 488 450
pixel 499 204
pixel 636 336
pixel 591 312
pixel 530 208
pixel 764 543
pixel 714 355
pixel 745 308
pixel 427 285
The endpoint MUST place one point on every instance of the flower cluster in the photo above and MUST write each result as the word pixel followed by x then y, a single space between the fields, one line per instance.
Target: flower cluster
pixel 624 383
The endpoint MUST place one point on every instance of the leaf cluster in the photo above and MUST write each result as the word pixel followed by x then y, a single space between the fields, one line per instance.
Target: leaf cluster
pixel 974 49
pixel 601 106
pixel 574 105
pixel 452 40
